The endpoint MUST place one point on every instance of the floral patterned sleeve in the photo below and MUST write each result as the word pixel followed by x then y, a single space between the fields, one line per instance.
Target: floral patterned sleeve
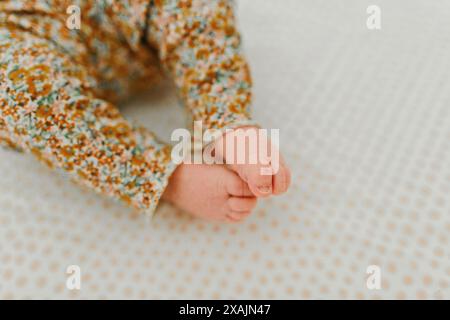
pixel 58 86
pixel 49 108
pixel 200 47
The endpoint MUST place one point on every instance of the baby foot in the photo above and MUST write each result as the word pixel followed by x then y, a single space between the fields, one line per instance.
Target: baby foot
pixel 263 179
pixel 210 192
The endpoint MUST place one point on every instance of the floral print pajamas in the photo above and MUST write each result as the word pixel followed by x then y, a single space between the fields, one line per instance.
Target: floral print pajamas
pixel 59 87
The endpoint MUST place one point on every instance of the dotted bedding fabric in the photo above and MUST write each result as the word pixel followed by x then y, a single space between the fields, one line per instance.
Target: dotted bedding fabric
pixel 365 126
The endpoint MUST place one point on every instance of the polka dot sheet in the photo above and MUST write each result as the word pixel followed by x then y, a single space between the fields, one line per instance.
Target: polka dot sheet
pixel 365 126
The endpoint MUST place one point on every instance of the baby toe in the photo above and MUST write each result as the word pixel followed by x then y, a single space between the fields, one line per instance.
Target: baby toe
pixel 282 180
pixel 259 184
pixel 237 187
pixel 241 206
pixel 236 217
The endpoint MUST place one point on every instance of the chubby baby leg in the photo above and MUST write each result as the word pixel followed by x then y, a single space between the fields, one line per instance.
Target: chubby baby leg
pixel 48 109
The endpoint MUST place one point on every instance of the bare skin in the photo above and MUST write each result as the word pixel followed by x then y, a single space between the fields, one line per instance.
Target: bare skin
pixel 261 185
pixel 210 192
pixel 226 193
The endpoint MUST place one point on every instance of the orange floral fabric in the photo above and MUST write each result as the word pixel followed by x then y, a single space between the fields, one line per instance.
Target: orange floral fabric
pixel 58 87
